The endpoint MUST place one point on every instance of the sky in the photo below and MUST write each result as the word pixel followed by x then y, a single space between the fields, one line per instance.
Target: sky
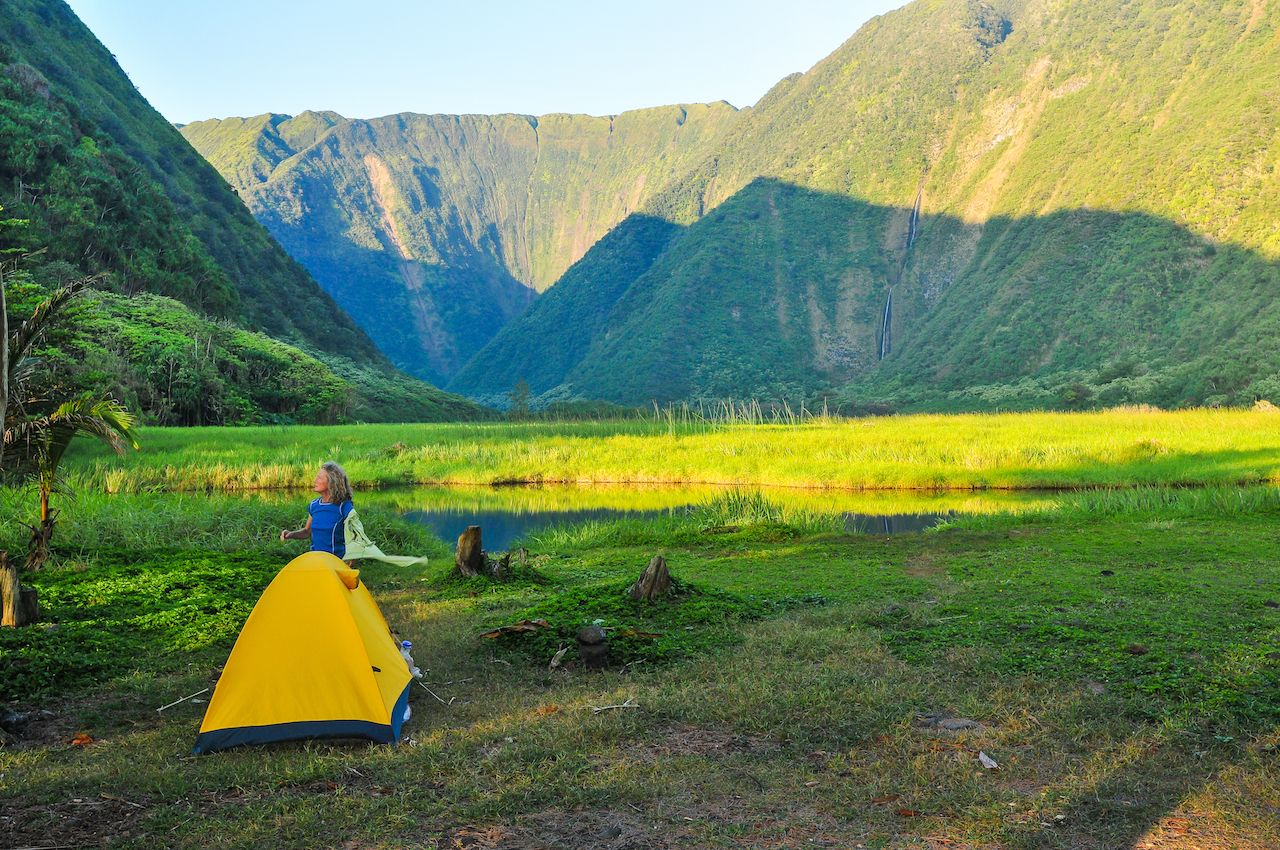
pixel 195 59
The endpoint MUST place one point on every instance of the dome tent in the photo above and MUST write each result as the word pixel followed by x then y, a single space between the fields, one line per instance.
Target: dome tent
pixel 315 659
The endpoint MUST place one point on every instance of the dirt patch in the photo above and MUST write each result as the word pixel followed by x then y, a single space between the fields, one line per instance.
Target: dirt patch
pixel 660 828
pixel 561 830
pixel 55 723
pixel 683 739
pixel 1257 11
pixel 78 822
pixel 931 567
pixel 947 724
pixel 926 565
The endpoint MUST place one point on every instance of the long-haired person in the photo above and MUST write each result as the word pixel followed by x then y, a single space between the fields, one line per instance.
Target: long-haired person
pixel 327 513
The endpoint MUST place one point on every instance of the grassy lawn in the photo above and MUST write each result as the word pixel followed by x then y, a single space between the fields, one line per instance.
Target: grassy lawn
pixel 1117 656
pixel 1025 450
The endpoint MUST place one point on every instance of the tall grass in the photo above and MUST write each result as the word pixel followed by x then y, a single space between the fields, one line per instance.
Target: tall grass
pixel 988 451
pixel 730 509
pixel 1155 504
pixel 751 507
pixel 89 523
pixel 703 416
pixel 1215 501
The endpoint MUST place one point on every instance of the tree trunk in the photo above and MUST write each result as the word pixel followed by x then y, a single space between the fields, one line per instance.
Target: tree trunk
pixel 470 556
pixel 41 535
pixel 4 367
pixel 654 582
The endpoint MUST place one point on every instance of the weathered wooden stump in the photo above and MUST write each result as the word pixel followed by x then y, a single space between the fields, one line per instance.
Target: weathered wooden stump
pixel 653 583
pixel 19 606
pixel 469 556
pixel 593 647
pixel 9 597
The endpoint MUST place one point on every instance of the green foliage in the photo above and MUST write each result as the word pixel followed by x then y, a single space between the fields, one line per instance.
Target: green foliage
pixel 107 187
pixel 519 399
pixel 110 186
pixel 128 612
pixel 751 507
pixel 177 368
pixel 1119 620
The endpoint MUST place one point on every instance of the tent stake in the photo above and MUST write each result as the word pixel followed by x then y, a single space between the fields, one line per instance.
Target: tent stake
pixel 433 693
pixel 184 699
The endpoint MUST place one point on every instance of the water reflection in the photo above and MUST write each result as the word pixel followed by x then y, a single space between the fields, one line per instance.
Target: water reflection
pixel 509 514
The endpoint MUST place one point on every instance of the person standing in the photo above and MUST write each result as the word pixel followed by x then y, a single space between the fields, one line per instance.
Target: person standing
pixel 327 513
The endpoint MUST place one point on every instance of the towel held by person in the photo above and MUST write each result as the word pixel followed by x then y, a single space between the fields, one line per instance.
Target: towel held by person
pixel 334 526
pixel 327 514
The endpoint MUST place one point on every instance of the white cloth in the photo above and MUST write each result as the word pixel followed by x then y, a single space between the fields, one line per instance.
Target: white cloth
pixel 360 546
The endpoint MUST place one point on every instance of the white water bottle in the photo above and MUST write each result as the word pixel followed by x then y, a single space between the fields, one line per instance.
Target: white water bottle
pixel 405 646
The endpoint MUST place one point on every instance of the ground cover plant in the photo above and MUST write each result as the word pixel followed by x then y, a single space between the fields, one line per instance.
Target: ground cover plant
pixel 1117 659
pixel 1121 447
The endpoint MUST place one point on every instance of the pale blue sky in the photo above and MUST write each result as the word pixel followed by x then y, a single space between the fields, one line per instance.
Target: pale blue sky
pixel 216 58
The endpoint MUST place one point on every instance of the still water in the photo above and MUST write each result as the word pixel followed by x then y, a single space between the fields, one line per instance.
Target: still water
pixel 510 514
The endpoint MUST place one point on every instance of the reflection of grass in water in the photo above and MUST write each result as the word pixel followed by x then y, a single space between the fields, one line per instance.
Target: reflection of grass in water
pixel 549 498
pixel 1026 450
pixel 778 510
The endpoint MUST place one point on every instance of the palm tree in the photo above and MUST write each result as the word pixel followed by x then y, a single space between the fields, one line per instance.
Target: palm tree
pixel 39 426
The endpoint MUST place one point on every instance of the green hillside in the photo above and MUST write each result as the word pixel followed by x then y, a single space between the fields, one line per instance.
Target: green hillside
pixel 1072 203
pixel 108 188
pixel 434 231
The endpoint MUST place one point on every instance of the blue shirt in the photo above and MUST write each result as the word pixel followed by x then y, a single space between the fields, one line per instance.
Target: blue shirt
pixel 327 531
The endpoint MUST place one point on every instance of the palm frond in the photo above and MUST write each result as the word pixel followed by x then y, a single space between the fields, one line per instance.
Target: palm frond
pixel 35 444
pixel 104 418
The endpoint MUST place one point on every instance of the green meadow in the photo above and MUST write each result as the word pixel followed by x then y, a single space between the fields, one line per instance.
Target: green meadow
pixel 1113 648
pixel 1121 447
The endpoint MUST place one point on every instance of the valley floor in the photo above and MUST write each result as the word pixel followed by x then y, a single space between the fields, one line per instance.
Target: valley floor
pixel 1122 668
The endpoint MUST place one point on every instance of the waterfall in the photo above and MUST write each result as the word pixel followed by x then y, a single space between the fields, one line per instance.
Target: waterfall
pixel 885 323
pixel 915 218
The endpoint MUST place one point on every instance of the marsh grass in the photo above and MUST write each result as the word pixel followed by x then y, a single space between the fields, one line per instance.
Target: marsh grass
pixel 997 451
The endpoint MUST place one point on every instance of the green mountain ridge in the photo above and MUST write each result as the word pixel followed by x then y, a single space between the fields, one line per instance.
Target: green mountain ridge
pixel 1016 203
pixel 109 188
pixel 451 222
pixel 1071 203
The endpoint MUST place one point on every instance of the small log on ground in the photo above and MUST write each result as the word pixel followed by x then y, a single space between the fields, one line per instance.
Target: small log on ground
pixel 653 583
pixel 469 557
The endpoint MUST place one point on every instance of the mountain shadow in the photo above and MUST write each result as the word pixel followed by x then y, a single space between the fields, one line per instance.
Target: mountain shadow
pixel 786 293
pixel 428 319
pixel 579 312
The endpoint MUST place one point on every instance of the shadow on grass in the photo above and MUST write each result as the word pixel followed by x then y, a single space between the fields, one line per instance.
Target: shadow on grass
pixel 1175 469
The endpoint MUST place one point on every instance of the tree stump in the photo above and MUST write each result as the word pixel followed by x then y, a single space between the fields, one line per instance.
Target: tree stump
pixel 469 557
pixel 653 583
pixel 18 604
pixel 593 647
pixel 28 605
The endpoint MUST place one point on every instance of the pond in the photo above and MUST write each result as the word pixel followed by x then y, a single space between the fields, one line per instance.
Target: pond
pixel 512 513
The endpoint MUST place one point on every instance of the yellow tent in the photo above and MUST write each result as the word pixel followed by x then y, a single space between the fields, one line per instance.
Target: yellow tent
pixel 315 659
